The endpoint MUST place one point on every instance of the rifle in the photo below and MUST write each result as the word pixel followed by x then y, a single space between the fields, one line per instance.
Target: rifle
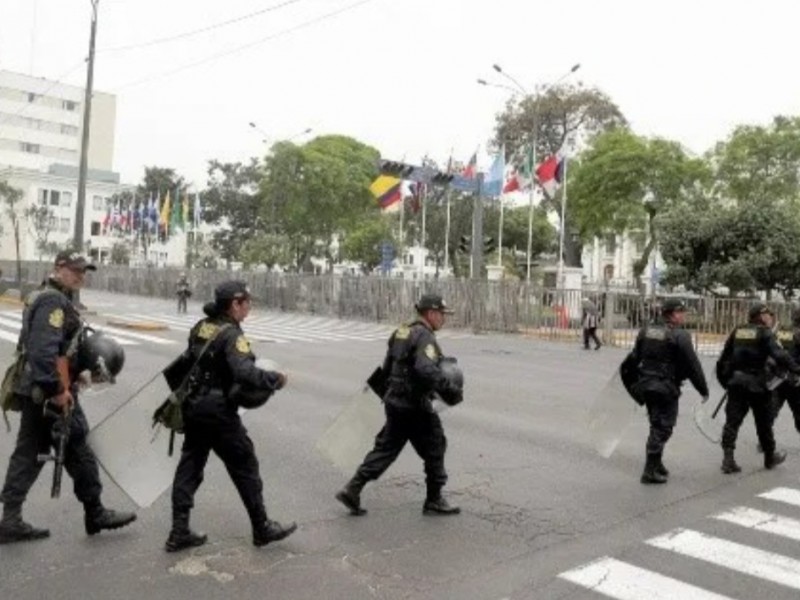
pixel 60 429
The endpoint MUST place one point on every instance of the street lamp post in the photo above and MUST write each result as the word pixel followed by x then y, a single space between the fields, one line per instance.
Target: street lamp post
pixel 266 138
pixel 517 89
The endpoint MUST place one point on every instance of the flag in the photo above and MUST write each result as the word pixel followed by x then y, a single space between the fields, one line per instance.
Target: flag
pixel 495 178
pixel 185 210
pixel 520 176
pixel 198 211
pixel 107 219
pixel 551 172
pixel 417 190
pixel 152 213
pixel 163 220
pixel 512 182
pixel 176 219
pixel 472 167
pixel 386 190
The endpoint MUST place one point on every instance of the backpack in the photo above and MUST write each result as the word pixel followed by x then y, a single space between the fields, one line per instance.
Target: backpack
pixel 179 378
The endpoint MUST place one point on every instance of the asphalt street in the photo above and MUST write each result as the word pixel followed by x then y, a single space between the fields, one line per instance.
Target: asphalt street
pixel 539 504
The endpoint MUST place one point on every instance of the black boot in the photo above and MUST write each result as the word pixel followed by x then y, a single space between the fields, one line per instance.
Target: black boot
pixel 729 462
pixel 774 458
pixel 439 506
pixel 14 529
pixel 660 468
pixel 650 473
pixel 97 518
pixel 180 536
pixel 350 496
pixel 271 531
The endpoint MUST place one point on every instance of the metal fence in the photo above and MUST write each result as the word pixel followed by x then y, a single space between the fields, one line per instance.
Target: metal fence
pixel 507 306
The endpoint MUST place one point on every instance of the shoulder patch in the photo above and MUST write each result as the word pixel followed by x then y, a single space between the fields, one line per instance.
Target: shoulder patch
pixel 655 334
pixel 430 352
pixel 207 331
pixel 745 334
pixel 243 345
pixel 56 318
pixel 785 336
pixel 402 332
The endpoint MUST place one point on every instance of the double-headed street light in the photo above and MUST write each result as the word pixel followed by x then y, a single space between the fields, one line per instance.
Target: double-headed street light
pixel 266 139
pixel 519 88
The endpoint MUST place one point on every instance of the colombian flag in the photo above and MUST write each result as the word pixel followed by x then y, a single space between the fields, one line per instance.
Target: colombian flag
pixel 386 190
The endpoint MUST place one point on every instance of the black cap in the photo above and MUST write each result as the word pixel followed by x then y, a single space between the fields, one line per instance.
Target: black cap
pixel 74 260
pixel 758 309
pixel 672 305
pixel 432 302
pixel 231 290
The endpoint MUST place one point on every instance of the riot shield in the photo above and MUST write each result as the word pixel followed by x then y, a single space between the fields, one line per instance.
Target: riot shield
pixel 352 434
pixel 131 452
pixel 610 414
pixel 709 417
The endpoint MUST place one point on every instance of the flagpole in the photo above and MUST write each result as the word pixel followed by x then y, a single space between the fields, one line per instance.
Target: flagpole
pixel 447 232
pixel 422 194
pixel 560 282
pixel 532 175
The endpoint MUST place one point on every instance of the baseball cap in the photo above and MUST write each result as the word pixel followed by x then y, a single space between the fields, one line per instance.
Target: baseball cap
pixel 231 290
pixel 433 302
pixel 672 305
pixel 757 309
pixel 74 260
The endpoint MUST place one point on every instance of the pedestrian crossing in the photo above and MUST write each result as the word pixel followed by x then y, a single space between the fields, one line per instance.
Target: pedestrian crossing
pixel 615 578
pixel 276 328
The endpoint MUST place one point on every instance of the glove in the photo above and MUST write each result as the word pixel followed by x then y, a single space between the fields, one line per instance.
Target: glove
pixel 705 399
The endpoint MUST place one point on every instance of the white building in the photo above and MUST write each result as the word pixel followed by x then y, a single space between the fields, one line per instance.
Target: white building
pixel 41 123
pixel 608 262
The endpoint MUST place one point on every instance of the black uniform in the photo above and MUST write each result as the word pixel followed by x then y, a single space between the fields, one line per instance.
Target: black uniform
pixel 744 360
pixel 788 392
pixel 414 375
pixel 665 357
pixel 183 291
pixel 211 422
pixel 51 326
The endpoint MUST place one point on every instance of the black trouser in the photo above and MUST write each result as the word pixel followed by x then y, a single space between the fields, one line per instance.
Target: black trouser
pixel 662 409
pixel 590 333
pixel 182 303
pixel 35 438
pixel 425 432
pixel 740 402
pixel 220 430
pixel 787 394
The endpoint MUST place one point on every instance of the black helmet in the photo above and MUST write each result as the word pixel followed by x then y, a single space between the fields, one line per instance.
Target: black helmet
pixel 454 388
pixel 250 397
pixel 758 309
pixel 103 356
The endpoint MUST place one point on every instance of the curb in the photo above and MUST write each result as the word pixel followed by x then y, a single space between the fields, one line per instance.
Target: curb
pixel 137 325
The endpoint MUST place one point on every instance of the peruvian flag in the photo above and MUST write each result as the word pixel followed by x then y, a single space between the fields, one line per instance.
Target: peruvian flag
pixel 513 183
pixel 471 169
pixel 551 173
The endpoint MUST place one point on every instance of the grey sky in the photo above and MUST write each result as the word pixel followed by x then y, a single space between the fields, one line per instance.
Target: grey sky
pixel 401 74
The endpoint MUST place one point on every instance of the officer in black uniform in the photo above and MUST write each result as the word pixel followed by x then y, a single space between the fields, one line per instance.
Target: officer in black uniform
pixel 742 369
pixel 183 291
pixel 211 420
pixel 788 392
pixel 665 357
pixel 414 374
pixel 51 329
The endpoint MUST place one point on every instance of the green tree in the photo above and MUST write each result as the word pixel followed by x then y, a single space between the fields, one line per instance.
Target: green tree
pixel 268 249
pixel 11 201
pixel 362 244
pixel 41 222
pixel 565 112
pixel 120 253
pixel 624 181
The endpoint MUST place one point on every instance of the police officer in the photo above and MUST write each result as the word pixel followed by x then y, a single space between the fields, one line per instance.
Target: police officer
pixel 183 292
pixel 665 357
pixel 742 367
pixel 211 420
pixel 50 330
pixel 789 391
pixel 414 374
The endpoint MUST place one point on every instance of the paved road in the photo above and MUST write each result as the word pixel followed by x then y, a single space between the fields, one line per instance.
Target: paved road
pixel 544 516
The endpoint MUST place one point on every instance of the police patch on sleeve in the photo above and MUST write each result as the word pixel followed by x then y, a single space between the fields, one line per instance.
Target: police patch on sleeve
pixel 430 352
pixel 402 332
pixel 242 345
pixel 56 318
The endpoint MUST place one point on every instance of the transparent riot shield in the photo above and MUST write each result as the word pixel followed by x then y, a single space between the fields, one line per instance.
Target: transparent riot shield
pixel 610 415
pixel 352 434
pixel 133 454
pixel 709 418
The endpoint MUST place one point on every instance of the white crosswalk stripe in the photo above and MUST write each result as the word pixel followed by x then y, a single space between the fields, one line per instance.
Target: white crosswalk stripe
pixel 11 323
pixel 617 579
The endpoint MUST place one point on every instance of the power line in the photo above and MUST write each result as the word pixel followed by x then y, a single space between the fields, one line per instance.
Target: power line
pixel 238 49
pixel 193 32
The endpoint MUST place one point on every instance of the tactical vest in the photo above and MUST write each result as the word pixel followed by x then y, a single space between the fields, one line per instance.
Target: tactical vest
pixel 657 353
pixel 748 354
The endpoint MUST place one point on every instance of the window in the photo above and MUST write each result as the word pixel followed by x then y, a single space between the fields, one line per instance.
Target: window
pixel 31 97
pixel 66 199
pixel 64 226
pixel 42 196
pixel 97 203
pixel 611 243
pixel 639 239
pixel 55 198
pixel 95 228
pixel 29 148
pixel 410 259
pixel 68 129
pixel 53 222
pixel 68 105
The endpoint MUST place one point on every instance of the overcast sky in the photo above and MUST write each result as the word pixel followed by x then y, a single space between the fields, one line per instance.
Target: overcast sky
pixel 401 74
